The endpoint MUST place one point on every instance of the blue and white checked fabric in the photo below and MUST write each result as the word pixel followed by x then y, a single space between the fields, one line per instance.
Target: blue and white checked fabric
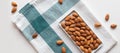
pixel 43 17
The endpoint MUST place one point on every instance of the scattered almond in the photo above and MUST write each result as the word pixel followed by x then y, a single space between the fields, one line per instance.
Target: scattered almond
pixel 60 1
pixel 14 9
pixel 63 50
pixel 113 26
pixel 14 4
pixel 107 17
pixel 97 25
pixel 59 42
pixel 34 35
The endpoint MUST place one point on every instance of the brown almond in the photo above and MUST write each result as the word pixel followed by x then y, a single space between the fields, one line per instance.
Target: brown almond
pixel 88 42
pixel 67 18
pixel 68 23
pixel 82 38
pixel 91 40
pixel 63 24
pixel 75 14
pixel 96 45
pixel 82 42
pixel 94 36
pixel 87 28
pixel 71 29
pixel 107 17
pixel 72 25
pixel 74 33
pixel 92 46
pixel 88 37
pixel 80 19
pixel 78 24
pixel 83 28
pixel 97 24
pixel 73 37
pixel 84 35
pixel 87 32
pixel 76 20
pixel 113 26
pixel 85 51
pixel 14 9
pixel 91 32
pixel 63 50
pixel 77 28
pixel 14 4
pixel 94 42
pixel 72 21
pixel 60 1
pixel 86 46
pixel 83 24
pixel 77 43
pixel 59 42
pixel 98 41
pixel 67 28
pixel 34 35
pixel 70 33
pixel 82 31
pixel 89 50
pixel 77 38
pixel 72 17
pixel 78 33
pixel 82 48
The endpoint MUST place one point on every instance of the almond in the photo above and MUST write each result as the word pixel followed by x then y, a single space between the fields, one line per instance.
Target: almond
pixel 98 41
pixel 113 26
pixel 71 29
pixel 14 9
pixel 63 24
pixel 59 42
pixel 83 24
pixel 34 35
pixel 107 17
pixel 68 23
pixel 75 14
pixel 63 50
pixel 89 50
pixel 60 1
pixel 67 18
pixel 82 48
pixel 97 24
pixel 14 4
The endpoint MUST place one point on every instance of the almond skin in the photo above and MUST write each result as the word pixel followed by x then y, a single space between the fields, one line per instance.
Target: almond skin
pixel 59 42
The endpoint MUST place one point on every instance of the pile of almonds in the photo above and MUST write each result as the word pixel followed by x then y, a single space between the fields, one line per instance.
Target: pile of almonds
pixel 14 7
pixel 80 33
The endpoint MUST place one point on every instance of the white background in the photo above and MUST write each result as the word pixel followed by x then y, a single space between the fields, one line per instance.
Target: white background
pixel 12 41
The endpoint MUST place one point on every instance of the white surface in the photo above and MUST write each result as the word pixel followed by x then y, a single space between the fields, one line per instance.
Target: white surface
pixel 12 40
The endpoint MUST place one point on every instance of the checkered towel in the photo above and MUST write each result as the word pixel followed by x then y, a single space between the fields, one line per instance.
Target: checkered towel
pixel 43 17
